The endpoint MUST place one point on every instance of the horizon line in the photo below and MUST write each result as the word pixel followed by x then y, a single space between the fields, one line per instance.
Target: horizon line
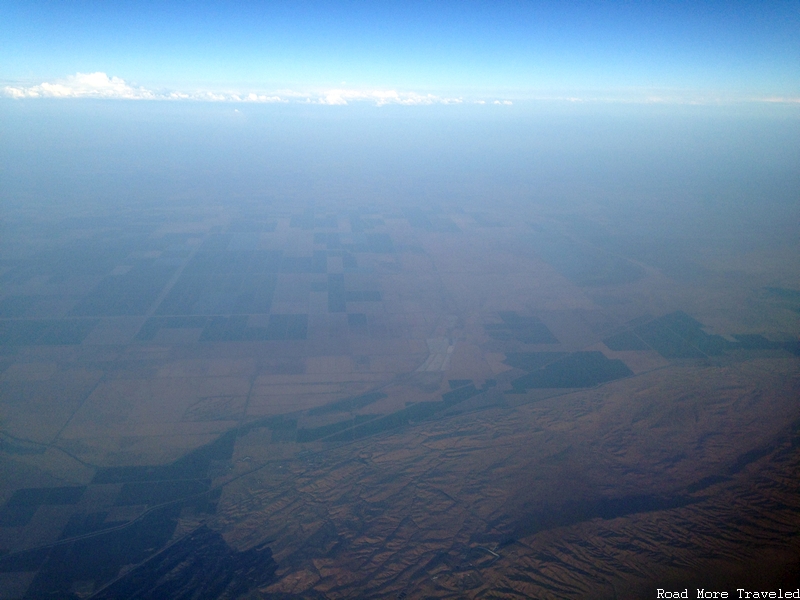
pixel 98 85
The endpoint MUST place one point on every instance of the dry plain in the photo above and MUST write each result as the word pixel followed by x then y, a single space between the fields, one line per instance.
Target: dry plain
pixel 261 402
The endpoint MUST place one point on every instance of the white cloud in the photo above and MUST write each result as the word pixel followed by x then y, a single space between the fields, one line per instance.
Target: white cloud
pixel 381 97
pixel 252 97
pixel 780 100
pixel 83 85
pixel 100 85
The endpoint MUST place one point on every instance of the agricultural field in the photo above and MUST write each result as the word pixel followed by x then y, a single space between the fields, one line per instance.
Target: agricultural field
pixel 262 402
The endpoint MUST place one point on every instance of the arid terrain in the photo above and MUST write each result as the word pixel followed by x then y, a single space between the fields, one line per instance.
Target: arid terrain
pixel 263 401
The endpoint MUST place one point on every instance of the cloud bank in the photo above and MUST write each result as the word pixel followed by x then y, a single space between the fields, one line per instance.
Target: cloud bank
pixel 100 85
pixel 83 85
pixel 382 97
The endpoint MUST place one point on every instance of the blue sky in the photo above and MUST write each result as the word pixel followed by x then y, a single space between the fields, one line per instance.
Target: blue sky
pixel 503 49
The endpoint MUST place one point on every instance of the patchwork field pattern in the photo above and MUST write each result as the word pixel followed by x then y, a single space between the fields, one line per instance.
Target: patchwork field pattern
pixel 258 401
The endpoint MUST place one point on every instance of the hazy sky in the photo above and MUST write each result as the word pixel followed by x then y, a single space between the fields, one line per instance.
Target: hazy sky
pixel 450 49
pixel 723 156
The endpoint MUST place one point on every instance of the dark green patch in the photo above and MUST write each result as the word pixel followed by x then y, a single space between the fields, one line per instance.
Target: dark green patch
pixel 200 566
pixel 82 524
pixel 457 383
pixel 25 561
pixel 530 361
pixel 23 504
pixel 411 414
pixel 626 340
pixel 316 433
pixel 460 394
pixel 99 558
pixel 529 330
pixel 583 264
pixel 154 493
pixel 227 281
pixel 16 515
pixel 64 495
pixel 129 294
pixel 577 370
pixel 677 335
pixel 275 423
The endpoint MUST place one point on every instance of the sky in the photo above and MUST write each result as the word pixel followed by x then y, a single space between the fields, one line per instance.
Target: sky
pixel 412 52
pixel 641 103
